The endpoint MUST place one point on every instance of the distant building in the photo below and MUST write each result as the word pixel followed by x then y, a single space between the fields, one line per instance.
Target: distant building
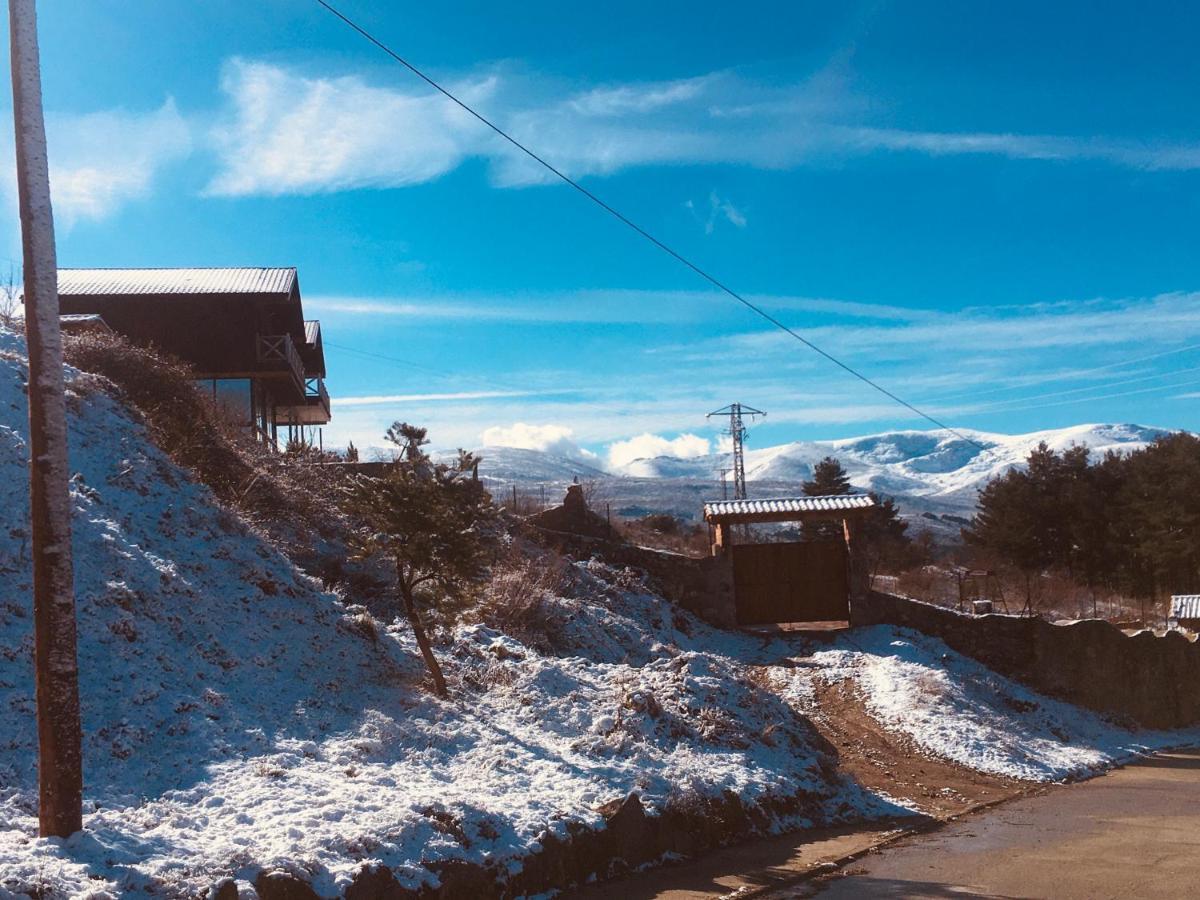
pixel 1185 612
pixel 242 329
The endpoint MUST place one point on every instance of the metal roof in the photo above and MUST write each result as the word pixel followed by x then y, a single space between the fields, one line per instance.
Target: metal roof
pixel 176 281
pixel 312 331
pixel 715 509
pixel 1185 606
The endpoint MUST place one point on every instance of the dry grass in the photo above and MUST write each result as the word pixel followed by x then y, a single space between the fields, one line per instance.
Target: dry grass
pixel 295 502
pixel 518 598
pixel 664 532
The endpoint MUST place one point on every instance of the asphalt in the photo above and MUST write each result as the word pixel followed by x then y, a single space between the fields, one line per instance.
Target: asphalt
pixel 1132 833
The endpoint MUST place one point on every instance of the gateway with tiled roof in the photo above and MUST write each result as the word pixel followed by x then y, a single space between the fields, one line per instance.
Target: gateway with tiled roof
pixel 243 329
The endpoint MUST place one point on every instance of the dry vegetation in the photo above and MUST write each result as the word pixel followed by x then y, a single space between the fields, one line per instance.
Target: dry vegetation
pixel 290 497
pixel 664 532
pixel 1054 596
pixel 517 597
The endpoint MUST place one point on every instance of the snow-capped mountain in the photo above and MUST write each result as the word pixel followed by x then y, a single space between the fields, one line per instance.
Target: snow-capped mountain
pixel 929 473
pixel 906 463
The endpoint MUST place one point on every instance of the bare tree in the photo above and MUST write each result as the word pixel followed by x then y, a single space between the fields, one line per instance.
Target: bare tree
pixel 11 296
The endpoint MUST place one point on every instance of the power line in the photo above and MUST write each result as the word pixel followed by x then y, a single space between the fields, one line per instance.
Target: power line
pixel 711 279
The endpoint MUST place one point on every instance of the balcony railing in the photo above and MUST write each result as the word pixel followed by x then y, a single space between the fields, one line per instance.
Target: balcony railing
pixel 276 351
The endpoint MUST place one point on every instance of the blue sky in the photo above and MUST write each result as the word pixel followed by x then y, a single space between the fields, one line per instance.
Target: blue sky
pixel 990 208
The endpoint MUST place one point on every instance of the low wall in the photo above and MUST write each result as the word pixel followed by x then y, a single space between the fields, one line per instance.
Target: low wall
pixel 1153 681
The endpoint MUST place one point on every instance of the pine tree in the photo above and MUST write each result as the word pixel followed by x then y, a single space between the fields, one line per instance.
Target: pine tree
pixel 828 478
pixel 433 521
pixel 885 536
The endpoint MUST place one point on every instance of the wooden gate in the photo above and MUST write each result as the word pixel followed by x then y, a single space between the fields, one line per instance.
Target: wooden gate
pixel 796 582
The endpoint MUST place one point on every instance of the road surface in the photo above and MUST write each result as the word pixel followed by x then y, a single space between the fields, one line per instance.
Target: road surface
pixel 1134 832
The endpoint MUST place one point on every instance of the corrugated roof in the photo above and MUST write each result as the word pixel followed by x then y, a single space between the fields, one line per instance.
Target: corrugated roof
pixel 176 281
pixel 1185 606
pixel 783 505
pixel 312 331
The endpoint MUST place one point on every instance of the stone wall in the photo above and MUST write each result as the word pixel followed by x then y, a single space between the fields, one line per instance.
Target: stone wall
pixel 1151 681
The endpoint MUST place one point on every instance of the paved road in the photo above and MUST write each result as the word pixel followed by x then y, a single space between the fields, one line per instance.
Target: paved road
pixel 1132 833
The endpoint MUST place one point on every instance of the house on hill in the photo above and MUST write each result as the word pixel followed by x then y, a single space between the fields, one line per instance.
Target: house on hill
pixel 242 329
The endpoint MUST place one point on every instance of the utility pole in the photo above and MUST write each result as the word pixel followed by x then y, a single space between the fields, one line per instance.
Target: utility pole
pixel 737 412
pixel 60 762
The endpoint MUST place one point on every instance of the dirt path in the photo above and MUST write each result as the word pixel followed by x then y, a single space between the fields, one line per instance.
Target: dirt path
pixel 890 763
pixel 1132 833
pixel 879 759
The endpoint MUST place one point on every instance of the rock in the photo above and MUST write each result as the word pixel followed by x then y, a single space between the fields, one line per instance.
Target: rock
pixel 375 883
pixel 630 833
pixel 225 889
pixel 283 886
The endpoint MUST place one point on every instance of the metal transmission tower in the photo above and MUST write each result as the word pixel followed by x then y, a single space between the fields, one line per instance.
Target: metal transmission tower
pixel 737 432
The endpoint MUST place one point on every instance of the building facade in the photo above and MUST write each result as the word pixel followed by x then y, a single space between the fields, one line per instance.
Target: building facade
pixel 242 329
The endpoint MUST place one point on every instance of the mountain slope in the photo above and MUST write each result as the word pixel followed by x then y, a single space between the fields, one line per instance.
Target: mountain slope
pixel 926 471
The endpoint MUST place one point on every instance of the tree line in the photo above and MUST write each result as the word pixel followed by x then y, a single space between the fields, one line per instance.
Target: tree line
pixel 1126 523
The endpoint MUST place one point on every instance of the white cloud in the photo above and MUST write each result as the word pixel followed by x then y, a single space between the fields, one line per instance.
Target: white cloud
pixel 718 209
pixel 556 439
pixel 387 399
pixel 100 161
pixel 288 134
pixel 648 446
pixel 284 132
pixel 615 305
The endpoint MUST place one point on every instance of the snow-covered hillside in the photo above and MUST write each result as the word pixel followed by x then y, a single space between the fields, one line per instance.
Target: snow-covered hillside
pixel 926 471
pixel 238 719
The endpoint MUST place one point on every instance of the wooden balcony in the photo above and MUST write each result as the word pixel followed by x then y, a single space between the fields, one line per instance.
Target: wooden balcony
pixel 313 411
pixel 277 353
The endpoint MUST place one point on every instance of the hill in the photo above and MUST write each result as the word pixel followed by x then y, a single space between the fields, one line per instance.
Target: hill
pixel 927 472
pixel 240 721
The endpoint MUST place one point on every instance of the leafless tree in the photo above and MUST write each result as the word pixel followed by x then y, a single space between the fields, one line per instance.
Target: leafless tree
pixel 12 296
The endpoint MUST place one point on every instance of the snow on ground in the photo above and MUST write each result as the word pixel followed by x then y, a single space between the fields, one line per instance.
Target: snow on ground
pixel 953 707
pixel 237 717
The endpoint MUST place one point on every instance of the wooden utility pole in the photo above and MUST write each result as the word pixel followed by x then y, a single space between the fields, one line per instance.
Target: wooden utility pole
pixel 60 762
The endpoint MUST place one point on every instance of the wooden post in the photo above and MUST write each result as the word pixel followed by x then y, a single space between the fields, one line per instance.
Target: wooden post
pixel 860 575
pixel 60 762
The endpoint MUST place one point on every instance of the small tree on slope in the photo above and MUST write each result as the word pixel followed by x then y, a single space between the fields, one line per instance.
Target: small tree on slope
pixel 433 521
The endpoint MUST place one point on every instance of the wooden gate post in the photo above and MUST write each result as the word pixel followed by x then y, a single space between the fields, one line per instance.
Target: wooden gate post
pixel 860 575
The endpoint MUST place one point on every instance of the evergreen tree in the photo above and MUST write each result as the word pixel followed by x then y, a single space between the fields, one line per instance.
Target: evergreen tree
pixel 885 537
pixel 828 478
pixel 433 521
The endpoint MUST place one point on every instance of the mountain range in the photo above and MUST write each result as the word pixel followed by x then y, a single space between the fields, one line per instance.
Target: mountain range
pixel 933 475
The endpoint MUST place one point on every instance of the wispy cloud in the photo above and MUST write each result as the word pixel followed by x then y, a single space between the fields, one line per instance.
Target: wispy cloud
pixel 392 399
pixel 287 132
pixel 718 209
pixel 101 161
pixel 597 306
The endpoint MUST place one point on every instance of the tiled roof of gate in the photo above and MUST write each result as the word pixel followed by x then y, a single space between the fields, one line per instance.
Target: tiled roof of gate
pixel 1185 606
pixel 176 281
pixel 716 509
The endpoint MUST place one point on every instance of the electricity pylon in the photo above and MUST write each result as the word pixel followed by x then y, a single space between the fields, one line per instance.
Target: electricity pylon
pixel 737 413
